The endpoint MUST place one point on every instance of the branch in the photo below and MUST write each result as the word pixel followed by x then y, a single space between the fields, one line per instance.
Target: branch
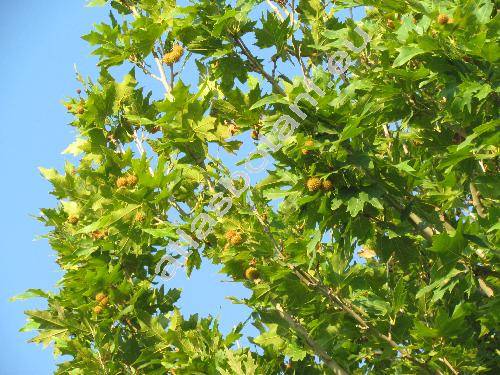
pixel 476 200
pixel 163 77
pixel 275 9
pixel 258 65
pixel 448 364
pixel 159 64
pixel 297 327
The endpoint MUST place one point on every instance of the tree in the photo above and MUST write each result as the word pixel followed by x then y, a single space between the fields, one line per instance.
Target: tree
pixel 371 241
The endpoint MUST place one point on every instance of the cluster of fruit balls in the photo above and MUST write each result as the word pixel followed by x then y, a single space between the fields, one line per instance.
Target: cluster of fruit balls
pixel 173 55
pixel 314 184
pixel 235 238
pixel 102 301
pixel 127 181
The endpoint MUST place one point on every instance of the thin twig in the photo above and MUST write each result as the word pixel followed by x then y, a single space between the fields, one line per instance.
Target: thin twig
pixel 318 350
pixel 476 201
pixel 275 9
pixel 163 77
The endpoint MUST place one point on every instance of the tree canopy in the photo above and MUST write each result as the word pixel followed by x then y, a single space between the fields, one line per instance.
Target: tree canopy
pixel 344 170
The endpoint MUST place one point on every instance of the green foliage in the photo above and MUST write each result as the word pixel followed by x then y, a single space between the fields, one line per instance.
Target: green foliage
pixel 387 265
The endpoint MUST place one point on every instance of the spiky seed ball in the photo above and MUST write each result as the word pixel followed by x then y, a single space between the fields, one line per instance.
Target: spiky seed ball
pixel 121 182
pixel 78 91
pixel 390 24
pixel 255 134
pixel 327 185
pixel 80 110
pixel 73 219
pixel 100 296
pixel 230 234
pixel 69 107
pixel 174 55
pixel 367 253
pixel 443 19
pixel 140 217
pixel 132 180
pixel 313 184
pixel 233 128
pixel 252 273
pixel 307 144
pixel 98 309
pixel 99 234
pixel 237 239
pixel 103 302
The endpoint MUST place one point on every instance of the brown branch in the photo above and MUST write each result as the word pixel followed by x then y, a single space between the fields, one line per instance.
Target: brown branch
pixel 318 350
pixel 476 200
pixel 448 364
pixel 257 65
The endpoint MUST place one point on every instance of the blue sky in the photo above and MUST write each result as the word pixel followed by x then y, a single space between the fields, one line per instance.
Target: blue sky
pixel 40 43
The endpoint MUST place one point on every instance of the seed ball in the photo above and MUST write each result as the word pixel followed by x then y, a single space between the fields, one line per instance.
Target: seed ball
pixel 237 239
pixel 390 24
pixel 140 217
pixel 80 110
pixel 98 309
pixel 174 55
pixel 255 135
pixel 327 185
pixel 73 220
pixel 233 128
pixel 132 180
pixel 309 143
pixel 443 19
pixel 69 107
pixel 230 234
pixel 121 182
pixel 78 91
pixel 99 234
pixel 103 302
pixel 100 296
pixel 252 273
pixel 313 184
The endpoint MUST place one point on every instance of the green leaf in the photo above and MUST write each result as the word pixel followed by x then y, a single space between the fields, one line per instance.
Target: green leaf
pixel 406 53
pixel 109 219
pixel 30 293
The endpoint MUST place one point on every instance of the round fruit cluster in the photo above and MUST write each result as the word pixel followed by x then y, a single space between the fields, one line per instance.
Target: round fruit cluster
pixel 73 220
pixel 102 301
pixel 252 273
pixel 99 234
pixel 234 237
pixel 127 181
pixel 174 55
pixel 307 145
pixel 443 19
pixel 313 184
pixel 140 217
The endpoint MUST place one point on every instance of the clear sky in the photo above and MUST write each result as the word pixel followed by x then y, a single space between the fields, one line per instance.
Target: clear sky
pixel 40 42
